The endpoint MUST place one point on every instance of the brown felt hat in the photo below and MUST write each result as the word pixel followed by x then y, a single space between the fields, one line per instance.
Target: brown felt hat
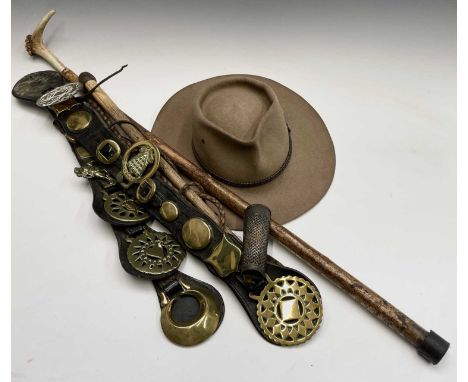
pixel 265 142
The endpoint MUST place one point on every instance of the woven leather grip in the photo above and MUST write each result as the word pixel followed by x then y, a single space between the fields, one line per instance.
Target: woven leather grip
pixel 254 252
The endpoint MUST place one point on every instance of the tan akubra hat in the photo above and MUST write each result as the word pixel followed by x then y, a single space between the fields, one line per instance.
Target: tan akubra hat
pixel 255 135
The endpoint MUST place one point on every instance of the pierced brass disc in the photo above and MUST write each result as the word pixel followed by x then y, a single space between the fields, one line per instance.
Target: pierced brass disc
pixel 122 208
pixel 140 161
pixel 155 253
pixel 289 310
pixel 108 151
pixel 79 120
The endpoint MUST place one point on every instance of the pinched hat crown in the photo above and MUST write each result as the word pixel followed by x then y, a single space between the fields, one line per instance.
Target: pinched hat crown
pixel 252 131
pixel 240 133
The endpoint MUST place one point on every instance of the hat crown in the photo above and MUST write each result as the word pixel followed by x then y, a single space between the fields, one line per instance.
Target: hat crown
pixel 240 133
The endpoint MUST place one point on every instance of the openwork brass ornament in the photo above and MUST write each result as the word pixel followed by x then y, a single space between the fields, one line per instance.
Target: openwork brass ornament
pixel 196 233
pixel 145 190
pixel 120 207
pixel 140 161
pixel 79 120
pixel 91 171
pixel 59 94
pixel 169 211
pixel 202 326
pixel 289 310
pixel 108 151
pixel 225 257
pixel 154 253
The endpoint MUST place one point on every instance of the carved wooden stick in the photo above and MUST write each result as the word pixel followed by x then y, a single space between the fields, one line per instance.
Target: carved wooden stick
pixel 428 344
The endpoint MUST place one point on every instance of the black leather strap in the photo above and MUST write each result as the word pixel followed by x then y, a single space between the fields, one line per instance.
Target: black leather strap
pixel 255 259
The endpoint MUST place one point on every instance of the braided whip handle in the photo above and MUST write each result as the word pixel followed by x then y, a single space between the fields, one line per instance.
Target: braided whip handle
pixel 254 253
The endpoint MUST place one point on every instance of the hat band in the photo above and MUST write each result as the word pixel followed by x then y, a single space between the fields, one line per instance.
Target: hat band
pixel 253 182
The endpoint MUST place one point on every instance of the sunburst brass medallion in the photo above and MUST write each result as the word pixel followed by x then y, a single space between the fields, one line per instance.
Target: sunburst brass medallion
pixel 154 253
pixel 289 310
pixel 122 208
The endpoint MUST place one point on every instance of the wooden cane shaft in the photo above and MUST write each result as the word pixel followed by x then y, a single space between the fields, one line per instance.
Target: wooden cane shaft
pixel 375 304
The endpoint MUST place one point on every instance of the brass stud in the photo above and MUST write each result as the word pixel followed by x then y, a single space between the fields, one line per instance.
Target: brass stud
pixel 113 151
pixel 79 120
pixel 196 233
pixel 169 211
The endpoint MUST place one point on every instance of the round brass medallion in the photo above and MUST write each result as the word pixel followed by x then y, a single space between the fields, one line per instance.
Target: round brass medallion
pixel 79 120
pixel 289 310
pixel 155 253
pixel 196 233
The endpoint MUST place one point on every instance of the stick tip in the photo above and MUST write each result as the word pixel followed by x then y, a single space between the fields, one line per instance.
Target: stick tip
pixel 433 348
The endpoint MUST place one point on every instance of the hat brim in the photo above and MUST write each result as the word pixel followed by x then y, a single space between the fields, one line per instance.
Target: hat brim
pixel 309 173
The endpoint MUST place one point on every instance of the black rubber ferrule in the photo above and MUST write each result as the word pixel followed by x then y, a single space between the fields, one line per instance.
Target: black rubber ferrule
pixel 433 348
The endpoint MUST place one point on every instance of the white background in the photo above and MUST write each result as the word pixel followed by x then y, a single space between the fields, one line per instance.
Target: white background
pixel 383 79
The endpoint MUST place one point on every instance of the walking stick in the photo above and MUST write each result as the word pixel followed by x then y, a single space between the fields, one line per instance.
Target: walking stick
pixel 429 345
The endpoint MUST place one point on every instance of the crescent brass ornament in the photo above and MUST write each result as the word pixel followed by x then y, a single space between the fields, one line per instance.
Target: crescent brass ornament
pixel 198 329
